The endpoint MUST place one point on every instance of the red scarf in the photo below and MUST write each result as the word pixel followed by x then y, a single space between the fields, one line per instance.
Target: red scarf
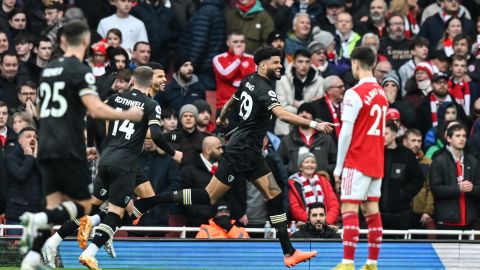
pixel 411 25
pixel 434 107
pixel 448 46
pixel 336 119
pixel 463 217
pixel 461 93
pixel 312 190
pixel 214 169
pixel 246 8
pixel 3 139
pixel 304 138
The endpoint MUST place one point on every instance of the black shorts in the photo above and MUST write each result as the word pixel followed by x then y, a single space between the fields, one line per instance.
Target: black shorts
pixel 248 165
pixel 100 191
pixel 68 176
pixel 119 184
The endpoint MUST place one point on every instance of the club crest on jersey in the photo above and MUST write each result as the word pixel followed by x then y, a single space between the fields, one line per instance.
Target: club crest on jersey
pixel 158 110
pixel 230 178
pixel 89 78
pixel 127 199
pixel 103 192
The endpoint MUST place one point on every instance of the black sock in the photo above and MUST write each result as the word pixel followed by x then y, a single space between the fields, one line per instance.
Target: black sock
pixel 95 209
pixel 40 239
pixel 127 219
pixel 68 228
pixel 64 212
pixel 106 229
pixel 182 197
pixel 102 214
pixel 279 222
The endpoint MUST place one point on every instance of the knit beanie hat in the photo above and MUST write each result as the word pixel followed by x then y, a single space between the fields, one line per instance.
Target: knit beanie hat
pixel 189 108
pixel 202 106
pixel 425 67
pixel 306 107
pixel 391 77
pixel 179 61
pixel 304 156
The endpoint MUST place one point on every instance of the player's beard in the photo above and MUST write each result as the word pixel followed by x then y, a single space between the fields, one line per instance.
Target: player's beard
pixel 271 75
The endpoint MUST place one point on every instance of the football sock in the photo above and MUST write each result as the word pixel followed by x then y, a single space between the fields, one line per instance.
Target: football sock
pixel 63 212
pixel 350 234
pixel 279 222
pixel 68 228
pixel 182 197
pixel 106 229
pixel 40 239
pixel 375 231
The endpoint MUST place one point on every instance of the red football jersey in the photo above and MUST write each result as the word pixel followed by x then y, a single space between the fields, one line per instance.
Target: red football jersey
pixel 365 105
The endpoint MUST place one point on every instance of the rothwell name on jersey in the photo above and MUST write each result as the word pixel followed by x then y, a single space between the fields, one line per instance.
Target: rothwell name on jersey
pixel 366 106
pixel 125 139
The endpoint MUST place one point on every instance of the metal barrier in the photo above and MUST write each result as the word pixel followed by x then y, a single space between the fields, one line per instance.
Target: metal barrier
pixel 407 234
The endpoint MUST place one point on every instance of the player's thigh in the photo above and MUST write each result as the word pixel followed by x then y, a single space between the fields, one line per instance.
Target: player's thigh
pixel 355 186
pixel 51 188
pixel 100 191
pixel 370 206
pixel 121 186
pixel 143 187
pixel 54 199
pixel 119 210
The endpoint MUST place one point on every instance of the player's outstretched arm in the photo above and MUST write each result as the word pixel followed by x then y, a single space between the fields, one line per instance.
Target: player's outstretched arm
pixel 222 118
pixel 158 138
pixel 296 120
pixel 97 109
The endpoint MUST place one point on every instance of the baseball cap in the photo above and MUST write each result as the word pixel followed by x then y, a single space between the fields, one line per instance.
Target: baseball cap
pixel 438 76
pixel 274 36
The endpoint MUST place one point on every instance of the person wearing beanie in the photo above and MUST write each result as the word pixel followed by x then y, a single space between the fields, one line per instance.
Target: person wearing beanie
pixel 276 39
pixel 307 186
pixel 419 51
pixel 185 87
pixel 391 85
pixel 319 60
pixel 190 138
pixel 204 122
pixel 301 140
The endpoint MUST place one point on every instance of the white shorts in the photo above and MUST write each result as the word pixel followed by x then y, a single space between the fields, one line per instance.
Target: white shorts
pixel 357 187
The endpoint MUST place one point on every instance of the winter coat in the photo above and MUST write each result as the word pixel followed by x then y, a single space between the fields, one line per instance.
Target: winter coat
pixel 322 112
pixel 308 231
pixel 177 93
pixel 423 202
pixel 213 231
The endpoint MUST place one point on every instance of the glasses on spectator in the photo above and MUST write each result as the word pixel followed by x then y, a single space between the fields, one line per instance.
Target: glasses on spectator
pixel 25 94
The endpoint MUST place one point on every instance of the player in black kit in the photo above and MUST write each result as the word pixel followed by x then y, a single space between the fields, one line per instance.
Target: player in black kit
pixel 67 92
pixel 124 143
pixel 243 156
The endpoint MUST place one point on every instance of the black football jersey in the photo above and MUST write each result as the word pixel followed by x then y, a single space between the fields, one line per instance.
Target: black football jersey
pixel 124 141
pixel 62 114
pixel 257 97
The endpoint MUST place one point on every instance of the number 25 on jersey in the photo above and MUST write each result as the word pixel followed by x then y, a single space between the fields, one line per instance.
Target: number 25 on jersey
pixel 58 105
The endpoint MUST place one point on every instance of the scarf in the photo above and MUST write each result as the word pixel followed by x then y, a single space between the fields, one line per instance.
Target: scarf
pixel 448 46
pixel 333 112
pixel 411 25
pixel 300 85
pixel 434 103
pixel 312 191
pixel 246 8
pixel 461 93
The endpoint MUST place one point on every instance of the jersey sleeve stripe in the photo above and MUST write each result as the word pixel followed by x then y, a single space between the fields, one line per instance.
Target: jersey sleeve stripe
pixel 273 105
pixel 154 122
pixel 87 91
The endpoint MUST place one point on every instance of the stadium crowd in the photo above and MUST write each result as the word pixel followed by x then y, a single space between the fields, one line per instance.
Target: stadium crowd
pixel 428 61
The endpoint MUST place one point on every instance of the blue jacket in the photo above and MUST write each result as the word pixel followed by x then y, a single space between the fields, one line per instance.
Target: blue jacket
pixel 178 94
pixel 204 36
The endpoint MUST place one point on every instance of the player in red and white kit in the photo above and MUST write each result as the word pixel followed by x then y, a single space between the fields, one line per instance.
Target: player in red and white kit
pixel 360 158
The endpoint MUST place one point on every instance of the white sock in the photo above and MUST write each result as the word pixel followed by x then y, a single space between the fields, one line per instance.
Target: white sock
pixel 55 240
pixel 40 219
pixel 32 258
pixel 95 220
pixel 347 261
pixel 371 261
pixel 91 250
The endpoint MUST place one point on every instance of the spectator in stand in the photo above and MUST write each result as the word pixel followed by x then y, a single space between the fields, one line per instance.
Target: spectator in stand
pixel 427 116
pixel 277 40
pixel 436 7
pixel 4 43
pixel 447 111
pixel 376 19
pixel 432 28
pixel 43 53
pixel 314 9
pixel 316 225
pixel 441 141
pixel 301 83
pixel 419 51
pixel 230 68
pixel 455 183
pixel 464 91
pixel 419 85
pixel 409 10
pixel 184 10
pixel 250 19
pixel 7 137
pixel 6 7
pixel 114 38
pixel 300 36
pixel 98 62
pixel 53 14
pixel 373 41
pixel 10 80
pixel 190 141
pixel 461 46
pixel 24 187
pixel 140 55
pixel 17 21
pixel 440 61
pixel 345 38
pixel 221 225
pixel 381 70
pixel 359 9
pixel 308 187
pixel 21 120
pixel 333 8
pixel 203 39
pixel 169 120
pixel 329 107
pixel 406 110
pixel 319 60
pixel 393 115
pixel 301 140
pixel 133 29
pixel 281 13
pixel 185 87
pixel 402 180
pixel 395 46
pixel 204 123
pixel 23 46
pixel 27 95
pixel 453 27
pixel 422 204
pixel 111 80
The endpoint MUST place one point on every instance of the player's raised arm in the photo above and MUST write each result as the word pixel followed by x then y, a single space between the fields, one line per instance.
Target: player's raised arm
pixel 296 120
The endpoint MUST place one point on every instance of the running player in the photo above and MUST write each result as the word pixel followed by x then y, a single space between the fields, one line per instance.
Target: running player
pixel 67 92
pixel 124 143
pixel 243 157
pixel 360 158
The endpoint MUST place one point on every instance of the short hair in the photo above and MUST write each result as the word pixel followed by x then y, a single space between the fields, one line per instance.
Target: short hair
pixel 298 15
pixel 365 56
pixel 419 42
pixel 370 35
pixel 55 5
pixel 16 11
pixel 264 53
pixel 455 127
pixel 25 129
pixel 140 43
pixel 460 37
pixel 315 205
pixel 456 57
pixel 124 74
pixel 3 104
pixel 392 126
pixel 25 117
pixel 169 112
pixel 302 52
pixel 42 38
pixel 234 33
pixel 116 32
pixel 328 82
pixel 155 65
pixel 393 14
pixel 27 83
pixel 23 37
pixel 413 131
pixel 7 53
pixel 74 31
pixel 143 76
